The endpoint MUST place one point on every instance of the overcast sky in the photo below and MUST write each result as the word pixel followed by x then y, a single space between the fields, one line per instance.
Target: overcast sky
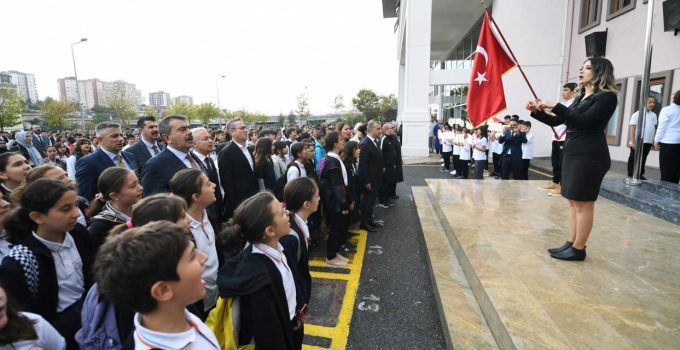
pixel 269 50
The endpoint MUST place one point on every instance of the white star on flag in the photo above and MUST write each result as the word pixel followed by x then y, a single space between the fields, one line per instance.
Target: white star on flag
pixel 481 77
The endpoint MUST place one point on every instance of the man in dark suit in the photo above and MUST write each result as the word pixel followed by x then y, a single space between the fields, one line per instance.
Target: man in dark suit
pixel 511 158
pixel 176 133
pixel 203 150
pixel 392 162
pixel 39 141
pixel 109 154
pixel 149 144
pixel 371 170
pixel 235 163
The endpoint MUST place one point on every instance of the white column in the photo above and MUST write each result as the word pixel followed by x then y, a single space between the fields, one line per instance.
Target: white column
pixel 402 83
pixel 416 113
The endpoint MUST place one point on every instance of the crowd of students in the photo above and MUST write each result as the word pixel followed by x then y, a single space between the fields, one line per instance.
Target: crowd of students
pixel 177 238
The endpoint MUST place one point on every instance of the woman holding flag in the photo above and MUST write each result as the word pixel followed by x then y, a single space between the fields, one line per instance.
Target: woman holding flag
pixel 586 155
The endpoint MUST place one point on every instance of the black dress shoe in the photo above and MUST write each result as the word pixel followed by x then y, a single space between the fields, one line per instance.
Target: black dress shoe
pixel 564 246
pixel 570 254
pixel 376 224
pixel 395 197
pixel 368 228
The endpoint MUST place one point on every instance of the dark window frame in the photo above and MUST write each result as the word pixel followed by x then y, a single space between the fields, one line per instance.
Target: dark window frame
pixel 615 139
pixel 594 5
pixel 619 12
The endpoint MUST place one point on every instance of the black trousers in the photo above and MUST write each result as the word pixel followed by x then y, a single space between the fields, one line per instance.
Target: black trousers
pixel 337 234
pixel 511 166
pixel 646 147
pixel 496 163
pixel 67 323
pixel 447 160
pixel 669 162
pixel 456 163
pixel 479 168
pixel 463 168
pixel 367 203
pixel 556 159
pixel 525 169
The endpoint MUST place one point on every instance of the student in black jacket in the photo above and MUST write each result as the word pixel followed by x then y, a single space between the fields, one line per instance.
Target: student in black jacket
pixel 261 277
pixel 335 179
pixel 49 270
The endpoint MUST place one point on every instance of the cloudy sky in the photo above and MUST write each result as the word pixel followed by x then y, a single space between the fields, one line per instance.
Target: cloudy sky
pixel 269 50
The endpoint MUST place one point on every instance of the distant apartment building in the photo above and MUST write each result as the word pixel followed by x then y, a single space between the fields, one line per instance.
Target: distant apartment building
pixel 184 99
pixel 95 92
pixel 25 84
pixel 159 99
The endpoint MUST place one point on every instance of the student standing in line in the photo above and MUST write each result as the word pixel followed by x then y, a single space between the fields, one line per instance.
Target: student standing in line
pixel 198 192
pixel 465 154
pixel 261 277
pixel 650 121
pixel 156 271
pixel 479 152
pixel 335 181
pixel 668 140
pixel 454 139
pixel 447 148
pixel 527 149
pixel 48 272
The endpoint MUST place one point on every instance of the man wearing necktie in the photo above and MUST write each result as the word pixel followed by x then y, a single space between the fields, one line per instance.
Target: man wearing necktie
pixel 175 131
pixel 149 145
pixel 203 148
pixel 371 170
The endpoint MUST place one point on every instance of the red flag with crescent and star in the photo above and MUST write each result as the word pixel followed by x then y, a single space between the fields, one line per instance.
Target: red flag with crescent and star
pixel 485 93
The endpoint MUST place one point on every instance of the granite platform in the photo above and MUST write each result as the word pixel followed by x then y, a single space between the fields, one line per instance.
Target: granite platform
pixel 625 295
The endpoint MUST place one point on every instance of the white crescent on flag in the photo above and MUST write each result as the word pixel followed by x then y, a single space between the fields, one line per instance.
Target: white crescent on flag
pixel 481 77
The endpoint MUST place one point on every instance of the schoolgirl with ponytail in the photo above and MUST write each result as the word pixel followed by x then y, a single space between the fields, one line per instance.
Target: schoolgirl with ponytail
pixel 49 270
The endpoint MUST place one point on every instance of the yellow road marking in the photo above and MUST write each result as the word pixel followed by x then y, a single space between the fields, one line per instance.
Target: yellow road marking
pixel 340 332
pixel 540 172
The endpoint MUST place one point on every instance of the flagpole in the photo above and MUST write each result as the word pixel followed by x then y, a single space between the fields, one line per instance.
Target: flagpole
pixel 509 49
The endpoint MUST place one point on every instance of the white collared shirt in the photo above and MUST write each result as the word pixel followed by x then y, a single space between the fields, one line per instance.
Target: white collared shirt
pixel 296 171
pixel 48 337
pixel 150 145
pixel 303 226
pixel 279 260
pixel 181 156
pixel 246 153
pixel 202 158
pixel 650 125
pixel 528 147
pixel 198 337
pixel 69 267
pixel 477 154
pixel 204 237
pixel 113 158
pixel 669 125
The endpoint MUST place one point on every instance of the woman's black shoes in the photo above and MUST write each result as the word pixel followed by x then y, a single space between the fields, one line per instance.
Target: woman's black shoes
pixel 564 246
pixel 570 254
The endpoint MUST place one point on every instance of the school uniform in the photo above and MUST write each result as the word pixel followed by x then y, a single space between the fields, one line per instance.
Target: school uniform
pixel 480 157
pixel 204 238
pixel 447 149
pixel 464 158
pixel 198 337
pixel 455 160
pixel 527 155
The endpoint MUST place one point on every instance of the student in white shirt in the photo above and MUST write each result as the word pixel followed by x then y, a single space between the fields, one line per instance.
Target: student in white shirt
pixel 667 139
pixel 479 151
pixel 446 140
pixel 455 142
pixel 647 137
pixel 527 149
pixel 156 271
pixel 465 154
pixel 25 330
pixel 199 193
pixel 297 167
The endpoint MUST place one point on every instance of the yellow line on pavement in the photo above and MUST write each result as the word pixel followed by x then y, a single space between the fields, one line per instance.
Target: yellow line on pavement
pixel 330 275
pixel 540 172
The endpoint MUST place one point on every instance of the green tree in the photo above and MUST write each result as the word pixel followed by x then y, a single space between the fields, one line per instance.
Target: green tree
pixel 151 111
pixel 11 108
pixel 181 108
pixel 386 105
pixel 352 118
pixel 291 118
pixel 368 103
pixel 206 112
pixel 124 106
pixel 302 106
pixel 102 114
pixel 56 112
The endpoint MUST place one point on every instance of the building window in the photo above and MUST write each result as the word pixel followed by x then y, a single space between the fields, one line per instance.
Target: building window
pixel 658 88
pixel 619 7
pixel 590 14
pixel 613 129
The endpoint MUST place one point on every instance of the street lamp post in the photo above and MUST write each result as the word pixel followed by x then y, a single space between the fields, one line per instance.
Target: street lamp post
pixel 75 73
pixel 217 91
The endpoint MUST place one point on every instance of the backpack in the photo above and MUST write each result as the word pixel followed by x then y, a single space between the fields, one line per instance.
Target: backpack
pixel 283 180
pixel 224 322
pixel 99 329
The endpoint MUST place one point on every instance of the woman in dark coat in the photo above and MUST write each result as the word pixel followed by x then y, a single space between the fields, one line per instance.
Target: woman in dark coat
pixel 586 154
pixel 392 162
pixel 264 166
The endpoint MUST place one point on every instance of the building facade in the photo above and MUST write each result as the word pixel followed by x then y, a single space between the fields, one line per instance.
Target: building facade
pixel 95 92
pixel 184 99
pixel 159 99
pixel 436 41
pixel 68 90
pixel 25 83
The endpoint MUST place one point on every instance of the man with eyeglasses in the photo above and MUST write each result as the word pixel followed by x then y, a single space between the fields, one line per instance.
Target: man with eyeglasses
pixel 235 163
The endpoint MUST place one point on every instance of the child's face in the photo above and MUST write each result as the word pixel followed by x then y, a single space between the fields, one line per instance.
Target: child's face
pixel 131 192
pixel 16 170
pixel 190 287
pixel 51 152
pixel 207 194
pixel 62 216
pixel 281 225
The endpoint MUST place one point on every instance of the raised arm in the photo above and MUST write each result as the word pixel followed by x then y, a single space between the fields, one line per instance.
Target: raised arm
pixel 598 113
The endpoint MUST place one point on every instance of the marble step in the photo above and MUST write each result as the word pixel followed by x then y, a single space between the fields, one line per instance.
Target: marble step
pixel 657 199
pixel 462 318
pixel 624 296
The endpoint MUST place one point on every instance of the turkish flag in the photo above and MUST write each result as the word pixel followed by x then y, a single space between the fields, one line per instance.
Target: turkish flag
pixel 485 93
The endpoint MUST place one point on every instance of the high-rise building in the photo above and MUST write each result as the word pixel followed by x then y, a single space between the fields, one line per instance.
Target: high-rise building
pixel 68 90
pixel 184 99
pixel 25 83
pixel 159 99
pixel 95 92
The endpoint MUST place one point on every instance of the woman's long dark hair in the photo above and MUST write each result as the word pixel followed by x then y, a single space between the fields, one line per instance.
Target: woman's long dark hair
pixel 39 196
pixel 19 327
pixel 112 180
pixel 263 150
pixel 250 220
pixel 186 183
pixel 348 151
pixel 76 150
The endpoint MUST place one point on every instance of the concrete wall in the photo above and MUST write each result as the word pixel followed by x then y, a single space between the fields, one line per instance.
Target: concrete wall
pixel 625 46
